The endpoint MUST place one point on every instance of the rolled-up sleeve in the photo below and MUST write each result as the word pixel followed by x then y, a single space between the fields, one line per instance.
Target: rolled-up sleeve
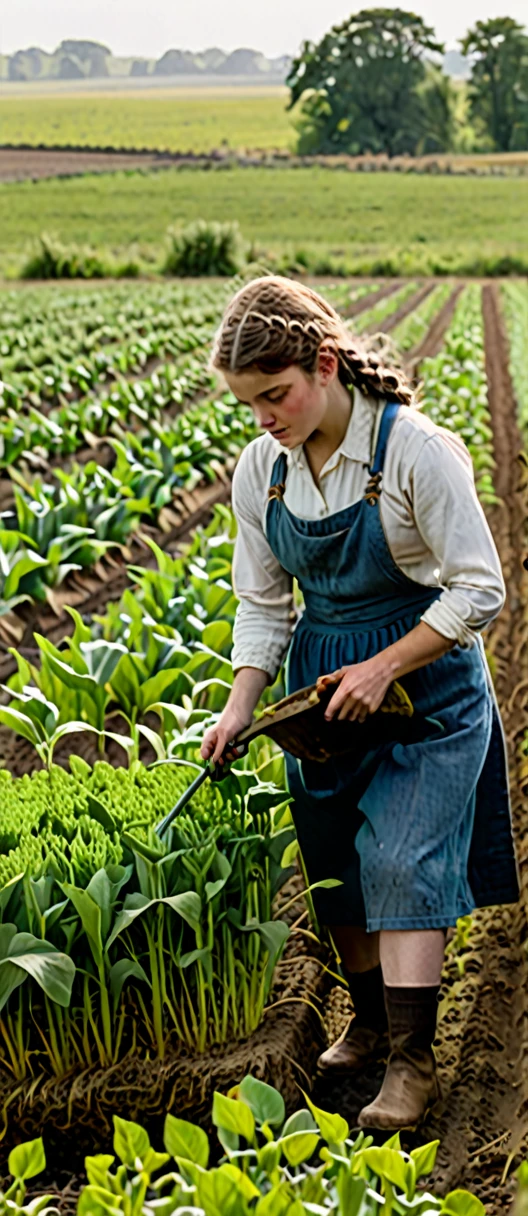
pixel 264 617
pixel 451 521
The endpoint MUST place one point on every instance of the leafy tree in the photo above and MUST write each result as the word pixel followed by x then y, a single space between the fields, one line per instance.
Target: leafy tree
pixel 360 84
pixel 498 87
pixel 438 124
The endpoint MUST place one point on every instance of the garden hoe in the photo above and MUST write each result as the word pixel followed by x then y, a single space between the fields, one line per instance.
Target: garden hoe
pixel 298 725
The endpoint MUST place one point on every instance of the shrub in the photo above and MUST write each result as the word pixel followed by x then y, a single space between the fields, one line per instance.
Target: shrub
pixel 205 248
pixel 53 260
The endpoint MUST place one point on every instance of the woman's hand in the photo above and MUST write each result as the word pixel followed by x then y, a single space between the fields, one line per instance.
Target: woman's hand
pixel 361 690
pixel 248 685
pixel 362 686
pixel 215 740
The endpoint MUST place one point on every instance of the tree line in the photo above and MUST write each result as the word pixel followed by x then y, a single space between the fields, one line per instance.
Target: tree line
pixel 375 83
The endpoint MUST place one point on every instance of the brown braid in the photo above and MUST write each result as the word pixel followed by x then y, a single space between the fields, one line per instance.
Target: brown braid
pixel 273 322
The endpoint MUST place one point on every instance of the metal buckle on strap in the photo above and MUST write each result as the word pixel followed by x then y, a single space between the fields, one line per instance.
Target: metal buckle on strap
pixel 373 490
pixel 277 491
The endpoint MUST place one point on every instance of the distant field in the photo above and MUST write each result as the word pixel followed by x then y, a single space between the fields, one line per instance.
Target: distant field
pixel 183 119
pixel 458 219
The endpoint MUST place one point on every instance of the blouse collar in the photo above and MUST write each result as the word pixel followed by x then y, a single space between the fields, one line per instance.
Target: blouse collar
pixel 357 443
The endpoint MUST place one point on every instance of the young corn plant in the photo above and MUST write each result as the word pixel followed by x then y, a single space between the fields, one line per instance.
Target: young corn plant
pixel 143 942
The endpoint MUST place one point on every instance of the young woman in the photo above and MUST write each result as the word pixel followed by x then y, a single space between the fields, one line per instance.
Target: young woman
pixel 373 509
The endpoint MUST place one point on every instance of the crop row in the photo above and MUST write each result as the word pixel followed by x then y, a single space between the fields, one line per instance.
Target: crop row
pixel 515 305
pixel 30 434
pixel 310 1162
pixel 454 388
pixel 68 524
pixel 410 332
pixel 57 379
pixel 382 309
pixel 39 326
pixel 185 924
pixel 165 643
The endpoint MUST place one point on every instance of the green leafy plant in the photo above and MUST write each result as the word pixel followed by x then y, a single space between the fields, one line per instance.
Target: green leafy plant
pixel 454 388
pixel 20 567
pixel 186 925
pixel 272 1166
pixel 204 247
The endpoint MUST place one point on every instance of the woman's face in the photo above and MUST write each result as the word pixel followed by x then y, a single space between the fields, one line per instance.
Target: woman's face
pixel 289 404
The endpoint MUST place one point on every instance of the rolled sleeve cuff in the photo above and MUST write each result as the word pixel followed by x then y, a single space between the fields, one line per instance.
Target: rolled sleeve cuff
pixel 441 616
pixel 266 657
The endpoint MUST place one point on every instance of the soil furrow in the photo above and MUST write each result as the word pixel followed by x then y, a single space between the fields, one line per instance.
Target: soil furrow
pixel 432 343
pixel 389 323
pixel 366 302
pixel 482 1036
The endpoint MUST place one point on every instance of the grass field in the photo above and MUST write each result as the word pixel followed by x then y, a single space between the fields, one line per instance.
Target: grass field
pixel 179 119
pixel 417 219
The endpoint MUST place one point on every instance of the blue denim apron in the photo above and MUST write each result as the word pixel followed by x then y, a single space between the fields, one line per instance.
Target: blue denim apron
pixel 418 833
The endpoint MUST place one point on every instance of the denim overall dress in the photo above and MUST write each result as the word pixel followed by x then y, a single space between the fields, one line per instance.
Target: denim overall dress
pixel 419 833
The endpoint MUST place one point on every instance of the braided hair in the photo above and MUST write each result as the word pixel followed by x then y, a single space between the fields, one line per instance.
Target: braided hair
pixel 273 322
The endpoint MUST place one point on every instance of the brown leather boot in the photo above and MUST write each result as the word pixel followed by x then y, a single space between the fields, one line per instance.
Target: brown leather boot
pixel 366 1035
pixel 410 1085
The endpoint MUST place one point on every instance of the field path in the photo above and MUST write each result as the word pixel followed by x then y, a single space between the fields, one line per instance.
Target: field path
pixel 432 342
pixel 482 1035
pixel 389 323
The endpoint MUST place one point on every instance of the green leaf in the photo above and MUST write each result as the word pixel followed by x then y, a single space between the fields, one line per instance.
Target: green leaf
pixel 27 1160
pixel 290 854
pixel 155 740
pixel 269 1156
pixel 298 1146
pixel 266 1102
pixel 220 1195
pixel 131 1141
pixel 102 658
pixel 125 969
pixel 351 1192
pixel 187 905
pixel 30 956
pixel 90 915
pixel 301 1121
pixel 424 1158
pixel 462 1203
pixel 96 1201
pixel 246 1187
pixel 388 1164
pixel 279 1202
pixel 20 723
pixel 334 1129
pixel 97 809
pixel 97 1168
pixel 234 1116
pixel 184 1139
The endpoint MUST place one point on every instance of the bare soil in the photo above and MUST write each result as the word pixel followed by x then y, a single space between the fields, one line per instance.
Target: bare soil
pixel 389 323
pixel 24 162
pixel 432 342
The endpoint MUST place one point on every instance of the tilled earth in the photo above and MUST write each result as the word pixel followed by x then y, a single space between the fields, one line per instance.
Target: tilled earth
pixel 482 1118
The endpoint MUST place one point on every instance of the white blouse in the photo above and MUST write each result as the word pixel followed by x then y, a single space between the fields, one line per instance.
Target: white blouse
pixel 434 525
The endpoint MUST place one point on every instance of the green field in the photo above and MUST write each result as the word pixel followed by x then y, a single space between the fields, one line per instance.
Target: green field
pixel 461 222
pixel 183 119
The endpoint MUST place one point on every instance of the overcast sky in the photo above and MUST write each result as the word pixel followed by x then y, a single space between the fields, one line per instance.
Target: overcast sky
pixel 276 27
